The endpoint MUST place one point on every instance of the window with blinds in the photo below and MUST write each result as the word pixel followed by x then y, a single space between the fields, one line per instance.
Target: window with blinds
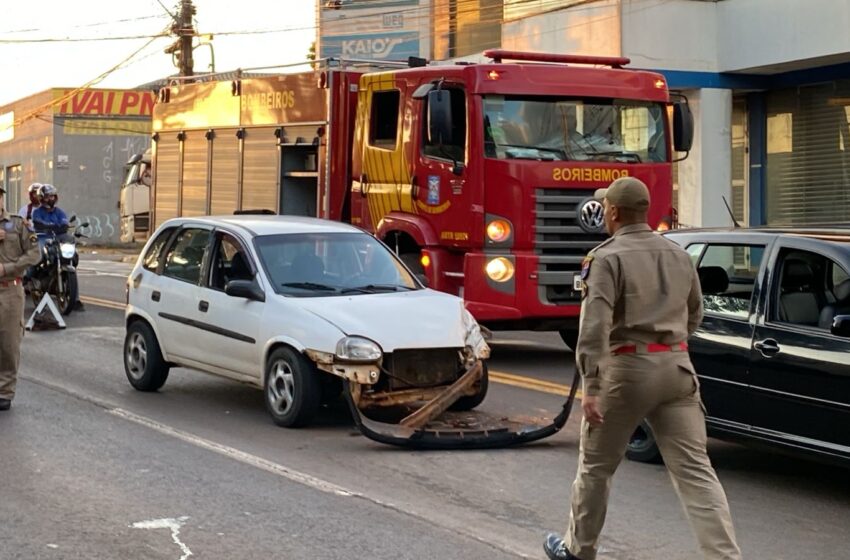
pixel 808 152
pixel 740 202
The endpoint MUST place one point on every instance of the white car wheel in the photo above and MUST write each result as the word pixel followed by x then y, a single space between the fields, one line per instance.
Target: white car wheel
pixel 292 388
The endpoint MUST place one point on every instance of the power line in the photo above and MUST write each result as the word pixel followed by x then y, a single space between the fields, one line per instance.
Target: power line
pixel 34 113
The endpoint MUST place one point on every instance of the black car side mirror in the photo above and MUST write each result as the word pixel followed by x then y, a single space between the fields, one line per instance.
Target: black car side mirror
pixel 247 289
pixel 841 326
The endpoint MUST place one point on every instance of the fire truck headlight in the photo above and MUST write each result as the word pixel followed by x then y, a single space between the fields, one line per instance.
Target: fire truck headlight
pixel 500 269
pixel 499 231
pixel 356 349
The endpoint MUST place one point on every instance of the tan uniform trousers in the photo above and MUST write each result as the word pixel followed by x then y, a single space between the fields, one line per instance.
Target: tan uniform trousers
pixel 11 333
pixel 661 388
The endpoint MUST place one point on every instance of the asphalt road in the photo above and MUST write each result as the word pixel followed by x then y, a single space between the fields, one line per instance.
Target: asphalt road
pixel 90 468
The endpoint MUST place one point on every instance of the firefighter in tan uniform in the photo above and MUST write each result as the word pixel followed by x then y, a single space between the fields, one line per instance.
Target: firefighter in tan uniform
pixel 641 302
pixel 18 251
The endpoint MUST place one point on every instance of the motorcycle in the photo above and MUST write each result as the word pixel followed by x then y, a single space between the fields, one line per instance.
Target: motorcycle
pixel 56 273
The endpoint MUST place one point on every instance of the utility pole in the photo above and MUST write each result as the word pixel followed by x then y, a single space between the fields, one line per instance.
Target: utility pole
pixel 185 32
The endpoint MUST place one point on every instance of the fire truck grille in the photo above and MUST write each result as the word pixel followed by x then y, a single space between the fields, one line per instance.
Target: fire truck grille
pixel 422 368
pixel 560 242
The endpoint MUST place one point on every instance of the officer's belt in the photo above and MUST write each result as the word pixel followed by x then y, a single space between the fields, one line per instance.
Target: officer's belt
pixel 650 348
pixel 10 283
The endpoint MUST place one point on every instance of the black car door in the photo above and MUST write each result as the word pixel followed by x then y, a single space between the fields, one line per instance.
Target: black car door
pixel 800 371
pixel 720 350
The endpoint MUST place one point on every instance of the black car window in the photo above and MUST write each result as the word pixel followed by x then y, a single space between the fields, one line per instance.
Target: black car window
pixel 230 262
pixel 812 289
pixel 153 255
pixel 184 258
pixel 741 264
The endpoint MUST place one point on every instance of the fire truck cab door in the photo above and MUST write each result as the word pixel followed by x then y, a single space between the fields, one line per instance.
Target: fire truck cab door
pixel 383 179
pixel 441 170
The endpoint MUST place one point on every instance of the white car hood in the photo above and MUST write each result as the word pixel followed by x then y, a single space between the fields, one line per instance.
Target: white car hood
pixel 417 319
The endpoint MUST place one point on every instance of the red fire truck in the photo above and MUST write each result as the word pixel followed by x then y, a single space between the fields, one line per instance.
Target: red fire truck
pixel 479 175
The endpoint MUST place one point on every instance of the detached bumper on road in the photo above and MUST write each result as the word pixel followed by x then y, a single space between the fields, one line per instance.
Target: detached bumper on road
pixel 431 427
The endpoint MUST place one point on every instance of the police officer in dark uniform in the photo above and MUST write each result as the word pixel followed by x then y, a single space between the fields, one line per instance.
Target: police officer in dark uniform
pixel 18 251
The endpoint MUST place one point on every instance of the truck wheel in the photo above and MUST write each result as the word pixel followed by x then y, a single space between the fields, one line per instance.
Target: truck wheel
pixel 292 388
pixel 570 337
pixel 642 447
pixel 472 401
pixel 143 363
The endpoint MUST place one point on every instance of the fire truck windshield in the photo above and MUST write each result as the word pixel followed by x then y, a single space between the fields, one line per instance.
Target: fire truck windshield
pixel 557 129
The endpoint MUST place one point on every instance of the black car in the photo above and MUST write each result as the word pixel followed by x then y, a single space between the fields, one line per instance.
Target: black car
pixel 773 352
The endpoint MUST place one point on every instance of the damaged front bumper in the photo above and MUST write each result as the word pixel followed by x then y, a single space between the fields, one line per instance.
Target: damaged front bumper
pixel 468 430
pixel 432 425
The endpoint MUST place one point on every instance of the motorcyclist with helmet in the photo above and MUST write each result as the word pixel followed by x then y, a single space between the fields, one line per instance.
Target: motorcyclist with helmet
pixel 49 217
pixel 27 210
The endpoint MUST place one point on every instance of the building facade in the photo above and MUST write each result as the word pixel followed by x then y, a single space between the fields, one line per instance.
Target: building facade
pixel 768 81
pixel 79 141
pixel 374 30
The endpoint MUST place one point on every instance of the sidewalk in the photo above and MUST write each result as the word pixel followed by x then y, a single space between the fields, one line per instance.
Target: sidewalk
pixel 112 253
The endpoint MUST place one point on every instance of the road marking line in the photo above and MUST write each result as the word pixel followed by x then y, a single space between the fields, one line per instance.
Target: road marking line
pixel 539 385
pixel 305 479
pixel 171 524
pixel 499 377
pixel 103 302
pixel 241 456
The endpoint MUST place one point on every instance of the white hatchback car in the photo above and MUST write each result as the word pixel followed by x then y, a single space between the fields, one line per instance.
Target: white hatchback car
pixel 294 306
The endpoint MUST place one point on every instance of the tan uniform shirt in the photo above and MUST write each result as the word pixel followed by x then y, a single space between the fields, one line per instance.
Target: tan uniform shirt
pixel 19 249
pixel 640 288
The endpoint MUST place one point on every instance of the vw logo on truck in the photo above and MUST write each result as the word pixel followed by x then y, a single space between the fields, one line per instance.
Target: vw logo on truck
pixel 590 216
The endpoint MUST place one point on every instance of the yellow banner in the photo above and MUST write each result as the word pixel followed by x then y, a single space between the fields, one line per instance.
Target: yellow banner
pixel 104 102
pixel 102 127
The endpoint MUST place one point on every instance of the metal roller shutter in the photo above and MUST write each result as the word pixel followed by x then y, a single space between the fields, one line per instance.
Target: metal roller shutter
pixel 260 171
pixel 194 192
pixel 225 172
pixel 808 155
pixel 167 178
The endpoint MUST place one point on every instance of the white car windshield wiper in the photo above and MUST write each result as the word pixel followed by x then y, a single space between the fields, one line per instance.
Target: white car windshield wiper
pixel 370 288
pixel 309 286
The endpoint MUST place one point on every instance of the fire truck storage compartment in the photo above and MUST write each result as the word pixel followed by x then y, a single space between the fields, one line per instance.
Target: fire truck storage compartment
pixel 167 177
pixel 224 183
pixel 299 179
pixel 193 192
pixel 259 169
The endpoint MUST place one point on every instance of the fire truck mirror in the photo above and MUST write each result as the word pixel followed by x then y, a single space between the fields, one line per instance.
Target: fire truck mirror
pixel 683 127
pixel 439 117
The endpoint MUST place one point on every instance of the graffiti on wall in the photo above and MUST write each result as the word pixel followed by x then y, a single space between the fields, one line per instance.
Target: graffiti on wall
pixel 100 226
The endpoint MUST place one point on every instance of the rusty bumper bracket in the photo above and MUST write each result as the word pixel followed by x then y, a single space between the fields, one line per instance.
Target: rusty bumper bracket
pixel 416 434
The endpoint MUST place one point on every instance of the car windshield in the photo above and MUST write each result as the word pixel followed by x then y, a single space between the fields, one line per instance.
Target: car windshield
pixel 329 264
pixel 556 129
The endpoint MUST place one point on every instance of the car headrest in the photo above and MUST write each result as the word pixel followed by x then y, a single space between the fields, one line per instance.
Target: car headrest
pixel 797 274
pixel 713 279
pixel 239 269
pixel 842 291
pixel 308 266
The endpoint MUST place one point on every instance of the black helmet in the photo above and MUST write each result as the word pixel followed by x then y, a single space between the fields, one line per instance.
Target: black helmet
pixel 49 195
pixel 48 190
